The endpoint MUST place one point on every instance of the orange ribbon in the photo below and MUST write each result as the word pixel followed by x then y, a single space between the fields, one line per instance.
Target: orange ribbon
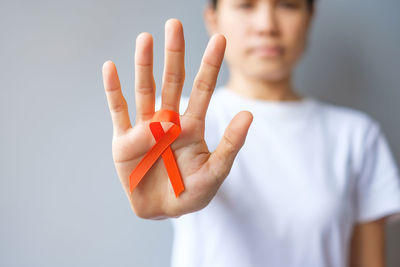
pixel 161 148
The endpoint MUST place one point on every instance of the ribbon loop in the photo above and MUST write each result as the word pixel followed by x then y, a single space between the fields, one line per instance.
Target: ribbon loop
pixel 161 148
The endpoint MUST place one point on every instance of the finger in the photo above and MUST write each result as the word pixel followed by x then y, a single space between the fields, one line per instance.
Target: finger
pixel 221 160
pixel 116 101
pixel 174 66
pixel 144 80
pixel 206 78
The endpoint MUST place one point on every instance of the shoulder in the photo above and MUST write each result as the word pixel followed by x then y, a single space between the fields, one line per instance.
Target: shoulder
pixel 346 115
pixel 355 129
pixel 352 121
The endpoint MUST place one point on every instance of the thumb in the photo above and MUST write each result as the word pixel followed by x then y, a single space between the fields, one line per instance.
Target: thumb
pixel 221 160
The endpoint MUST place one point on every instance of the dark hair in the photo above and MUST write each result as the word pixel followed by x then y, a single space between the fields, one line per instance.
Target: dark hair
pixel 310 3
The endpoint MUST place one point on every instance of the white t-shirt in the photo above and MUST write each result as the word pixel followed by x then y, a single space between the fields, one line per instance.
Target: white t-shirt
pixel 306 174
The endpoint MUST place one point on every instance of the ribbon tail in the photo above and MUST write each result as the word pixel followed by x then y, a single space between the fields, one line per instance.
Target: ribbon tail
pixel 145 164
pixel 173 171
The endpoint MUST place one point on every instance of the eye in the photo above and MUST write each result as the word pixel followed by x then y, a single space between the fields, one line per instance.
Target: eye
pixel 244 4
pixel 288 4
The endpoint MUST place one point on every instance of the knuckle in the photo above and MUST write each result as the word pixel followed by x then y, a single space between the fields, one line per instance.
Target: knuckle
pixel 174 78
pixel 144 90
pixel 112 89
pixel 211 66
pixel 203 86
pixel 119 107
pixel 229 145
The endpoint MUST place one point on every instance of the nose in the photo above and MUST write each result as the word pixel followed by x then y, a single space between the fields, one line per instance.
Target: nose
pixel 265 20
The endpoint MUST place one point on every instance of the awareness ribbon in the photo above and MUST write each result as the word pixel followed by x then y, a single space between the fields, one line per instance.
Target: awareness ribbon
pixel 161 148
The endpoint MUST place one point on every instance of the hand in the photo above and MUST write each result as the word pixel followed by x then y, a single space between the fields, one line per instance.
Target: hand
pixel 202 171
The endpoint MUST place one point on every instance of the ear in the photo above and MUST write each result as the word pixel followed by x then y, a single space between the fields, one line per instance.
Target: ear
pixel 210 19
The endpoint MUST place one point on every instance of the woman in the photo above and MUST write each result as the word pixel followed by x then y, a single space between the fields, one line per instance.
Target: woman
pixel 314 182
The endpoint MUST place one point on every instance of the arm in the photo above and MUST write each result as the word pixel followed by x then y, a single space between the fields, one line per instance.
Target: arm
pixel 368 244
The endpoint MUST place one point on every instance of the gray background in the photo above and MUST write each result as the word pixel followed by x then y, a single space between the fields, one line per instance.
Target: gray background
pixel 61 201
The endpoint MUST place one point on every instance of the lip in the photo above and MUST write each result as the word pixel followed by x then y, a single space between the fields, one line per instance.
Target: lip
pixel 267 51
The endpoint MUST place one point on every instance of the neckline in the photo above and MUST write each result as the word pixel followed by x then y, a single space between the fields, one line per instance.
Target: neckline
pixel 291 109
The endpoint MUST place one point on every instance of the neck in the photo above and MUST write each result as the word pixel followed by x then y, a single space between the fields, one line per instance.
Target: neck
pixel 279 90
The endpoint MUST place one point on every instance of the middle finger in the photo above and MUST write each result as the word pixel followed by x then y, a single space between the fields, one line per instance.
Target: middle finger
pixel 174 66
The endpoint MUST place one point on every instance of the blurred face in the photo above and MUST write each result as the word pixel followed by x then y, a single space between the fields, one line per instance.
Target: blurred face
pixel 265 38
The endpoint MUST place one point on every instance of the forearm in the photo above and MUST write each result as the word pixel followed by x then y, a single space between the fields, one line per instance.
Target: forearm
pixel 368 245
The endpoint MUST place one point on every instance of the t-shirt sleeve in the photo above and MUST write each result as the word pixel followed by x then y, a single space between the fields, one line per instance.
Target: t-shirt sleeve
pixel 378 181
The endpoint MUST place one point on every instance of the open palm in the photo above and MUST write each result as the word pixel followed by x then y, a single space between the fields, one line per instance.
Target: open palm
pixel 202 171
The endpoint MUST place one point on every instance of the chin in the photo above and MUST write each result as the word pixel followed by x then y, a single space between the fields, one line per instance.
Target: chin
pixel 270 73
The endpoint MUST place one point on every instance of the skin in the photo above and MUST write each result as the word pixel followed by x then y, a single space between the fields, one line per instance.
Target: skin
pixel 236 28
pixel 202 171
pixel 368 244
pixel 250 24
